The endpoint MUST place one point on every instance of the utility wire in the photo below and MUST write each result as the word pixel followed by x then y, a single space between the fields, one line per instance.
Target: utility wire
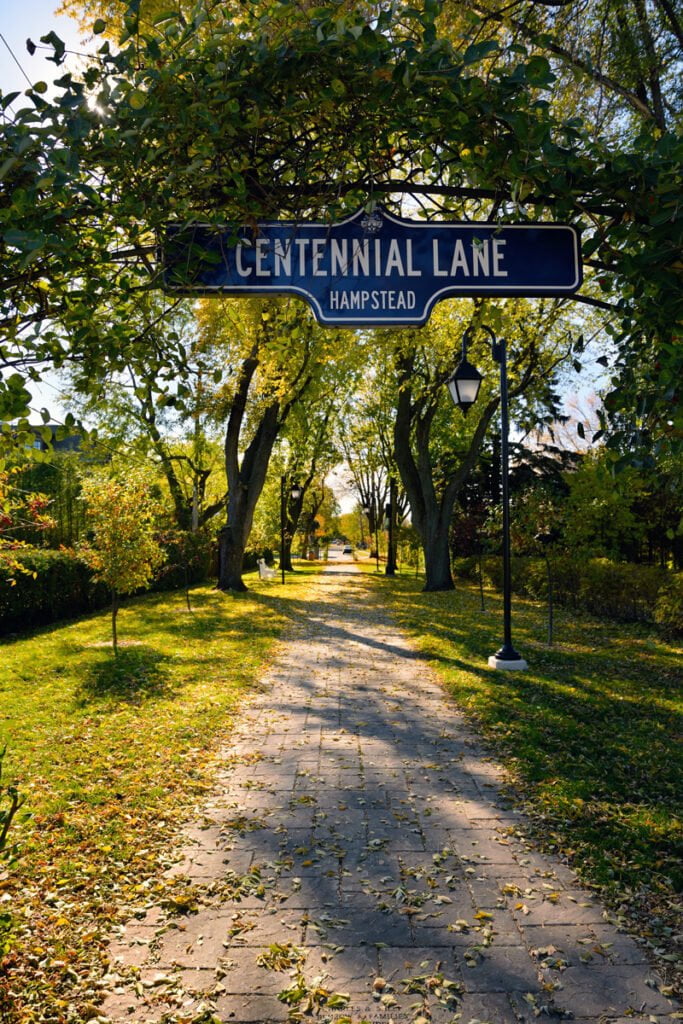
pixel 15 59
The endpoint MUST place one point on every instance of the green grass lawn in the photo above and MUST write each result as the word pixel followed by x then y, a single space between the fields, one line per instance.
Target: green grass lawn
pixel 590 734
pixel 111 754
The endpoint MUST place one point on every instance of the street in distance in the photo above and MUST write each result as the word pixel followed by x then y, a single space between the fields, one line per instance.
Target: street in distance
pixel 374 269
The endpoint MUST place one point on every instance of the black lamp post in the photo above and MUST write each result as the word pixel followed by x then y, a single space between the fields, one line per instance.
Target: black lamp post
pixel 295 494
pixel 464 388
pixel 390 569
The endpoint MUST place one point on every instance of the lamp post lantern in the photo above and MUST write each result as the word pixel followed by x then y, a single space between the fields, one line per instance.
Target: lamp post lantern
pixel 295 494
pixel 464 387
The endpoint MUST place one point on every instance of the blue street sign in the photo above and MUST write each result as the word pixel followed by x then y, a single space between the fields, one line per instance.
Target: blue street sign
pixel 373 269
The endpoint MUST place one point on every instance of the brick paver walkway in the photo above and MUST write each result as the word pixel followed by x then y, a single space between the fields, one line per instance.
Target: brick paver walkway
pixel 358 829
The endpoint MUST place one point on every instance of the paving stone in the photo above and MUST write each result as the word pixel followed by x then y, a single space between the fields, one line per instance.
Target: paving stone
pixel 489 1008
pixel 130 953
pixel 592 990
pixel 508 890
pixel 200 863
pixel 616 947
pixel 202 945
pixel 567 945
pixel 498 969
pixel 480 849
pixel 354 959
pixel 127 1006
pixel 256 1009
pixel 262 929
pixel 560 907
pixel 407 962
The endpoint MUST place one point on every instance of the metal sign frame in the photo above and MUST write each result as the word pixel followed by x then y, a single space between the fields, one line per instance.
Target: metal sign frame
pixel 373 269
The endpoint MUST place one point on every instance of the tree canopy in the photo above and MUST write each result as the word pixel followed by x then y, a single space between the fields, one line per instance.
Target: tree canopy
pixel 276 110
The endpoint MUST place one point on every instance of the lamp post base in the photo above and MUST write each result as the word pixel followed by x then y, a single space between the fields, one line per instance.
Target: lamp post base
pixel 508 664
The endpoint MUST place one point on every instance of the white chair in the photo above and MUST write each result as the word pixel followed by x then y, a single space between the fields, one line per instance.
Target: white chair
pixel 264 571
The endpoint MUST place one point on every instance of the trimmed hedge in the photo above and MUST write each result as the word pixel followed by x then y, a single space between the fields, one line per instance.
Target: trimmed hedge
pixel 614 590
pixel 63 589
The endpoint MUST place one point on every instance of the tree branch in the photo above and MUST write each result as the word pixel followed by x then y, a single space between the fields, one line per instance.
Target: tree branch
pixel 569 58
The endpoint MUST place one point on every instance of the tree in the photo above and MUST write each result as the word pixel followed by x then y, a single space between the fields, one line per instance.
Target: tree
pixel 436 453
pixel 310 451
pixel 318 515
pixel 617 59
pixel 123 552
pixel 276 350
pixel 366 439
pixel 156 397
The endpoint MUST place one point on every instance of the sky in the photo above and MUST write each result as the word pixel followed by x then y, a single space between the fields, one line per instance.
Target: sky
pixel 31 19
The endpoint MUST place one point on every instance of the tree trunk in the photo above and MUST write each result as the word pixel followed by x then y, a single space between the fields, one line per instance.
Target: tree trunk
pixel 230 560
pixel 246 476
pixel 437 560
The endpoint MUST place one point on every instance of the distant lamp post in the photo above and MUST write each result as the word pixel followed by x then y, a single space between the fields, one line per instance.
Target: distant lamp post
pixel 464 386
pixel 546 539
pixel 367 510
pixel 295 494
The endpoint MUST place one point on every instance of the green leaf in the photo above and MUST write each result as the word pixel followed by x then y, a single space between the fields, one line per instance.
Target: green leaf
pixel 168 15
pixel 27 241
pixel 7 166
pixel 52 39
pixel 477 51
pixel 99 26
pixel 538 71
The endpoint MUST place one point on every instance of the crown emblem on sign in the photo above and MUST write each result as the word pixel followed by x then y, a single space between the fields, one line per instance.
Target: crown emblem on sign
pixel 372 223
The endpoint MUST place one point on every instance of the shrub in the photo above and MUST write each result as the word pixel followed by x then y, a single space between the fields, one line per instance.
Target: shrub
pixel 620 590
pixel 613 590
pixel 62 588
pixel 467 568
pixel 669 607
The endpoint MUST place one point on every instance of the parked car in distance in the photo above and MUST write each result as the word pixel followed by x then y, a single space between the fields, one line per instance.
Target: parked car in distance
pixel 347 550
